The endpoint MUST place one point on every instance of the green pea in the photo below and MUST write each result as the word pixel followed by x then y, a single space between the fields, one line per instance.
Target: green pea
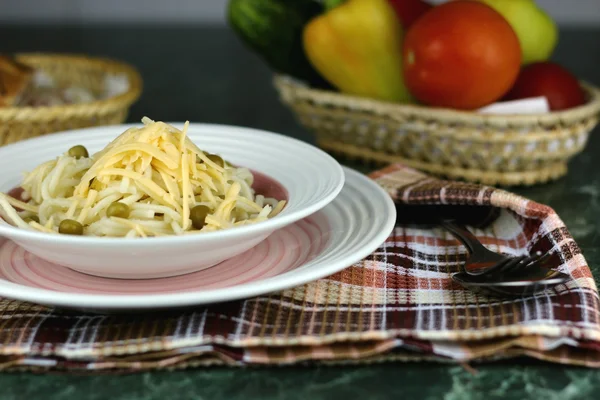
pixel 216 159
pixel 118 209
pixel 70 227
pixel 33 218
pixel 198 216
pixel 78 152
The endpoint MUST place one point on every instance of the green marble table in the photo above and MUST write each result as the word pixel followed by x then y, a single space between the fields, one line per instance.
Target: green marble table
pixel 204 74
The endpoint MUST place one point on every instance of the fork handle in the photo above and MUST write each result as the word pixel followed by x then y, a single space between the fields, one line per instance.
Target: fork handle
pixel 469 240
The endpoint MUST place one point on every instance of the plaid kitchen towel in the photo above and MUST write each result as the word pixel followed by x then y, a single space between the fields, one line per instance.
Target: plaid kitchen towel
pixel 397 304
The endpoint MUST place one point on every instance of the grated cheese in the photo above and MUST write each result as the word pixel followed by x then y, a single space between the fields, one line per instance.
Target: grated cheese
pixel 157 171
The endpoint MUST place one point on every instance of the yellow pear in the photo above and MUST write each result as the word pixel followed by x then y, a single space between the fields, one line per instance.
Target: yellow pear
pixel 536 30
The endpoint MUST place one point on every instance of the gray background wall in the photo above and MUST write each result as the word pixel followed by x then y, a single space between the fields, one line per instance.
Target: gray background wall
pixel 566 12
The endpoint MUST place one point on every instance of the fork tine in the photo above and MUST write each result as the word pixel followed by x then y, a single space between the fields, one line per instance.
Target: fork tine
pixel 510 265
pixel 544 259
pixel 515 265
pixel 530 259
pixel 528 264
pixel 539 260
pixel 540 265
pixel 523 262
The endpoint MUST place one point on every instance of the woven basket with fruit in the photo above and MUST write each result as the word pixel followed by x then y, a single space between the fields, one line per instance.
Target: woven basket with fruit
pixel 463 89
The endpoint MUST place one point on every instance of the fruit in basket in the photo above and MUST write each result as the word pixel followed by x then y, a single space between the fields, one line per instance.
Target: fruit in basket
pixel 356 45
pixel 409 10
pixel 273 30
pixel 461 54
pixel 559 86
pixel 537 32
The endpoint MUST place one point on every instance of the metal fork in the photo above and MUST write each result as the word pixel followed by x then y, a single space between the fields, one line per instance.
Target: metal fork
pixel 482 261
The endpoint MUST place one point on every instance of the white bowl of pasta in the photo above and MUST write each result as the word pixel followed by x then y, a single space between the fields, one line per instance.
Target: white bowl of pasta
pixel 153 200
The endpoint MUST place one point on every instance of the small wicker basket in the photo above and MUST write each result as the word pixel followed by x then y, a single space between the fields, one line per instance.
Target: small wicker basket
pixel 485 148
pixel 19 123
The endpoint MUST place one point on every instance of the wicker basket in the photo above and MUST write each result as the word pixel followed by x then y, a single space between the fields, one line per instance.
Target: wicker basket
pixel 491 149
pixel 19 123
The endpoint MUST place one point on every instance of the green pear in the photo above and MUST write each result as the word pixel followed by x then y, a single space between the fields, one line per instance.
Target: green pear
pixel 536 30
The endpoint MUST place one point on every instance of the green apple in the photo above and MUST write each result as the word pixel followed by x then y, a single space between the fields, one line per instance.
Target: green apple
pixel 537 32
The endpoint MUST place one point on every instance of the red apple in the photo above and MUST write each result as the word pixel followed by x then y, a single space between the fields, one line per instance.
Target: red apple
pixel 409 10
pixel 551 80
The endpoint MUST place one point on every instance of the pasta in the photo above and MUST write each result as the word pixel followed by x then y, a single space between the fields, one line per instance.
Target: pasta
pixel 149 181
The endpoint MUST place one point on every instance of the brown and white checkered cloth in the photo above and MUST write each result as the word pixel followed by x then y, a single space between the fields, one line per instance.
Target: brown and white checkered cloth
pixel 397 304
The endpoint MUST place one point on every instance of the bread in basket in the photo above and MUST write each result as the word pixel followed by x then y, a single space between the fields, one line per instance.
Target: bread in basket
pixel 85 73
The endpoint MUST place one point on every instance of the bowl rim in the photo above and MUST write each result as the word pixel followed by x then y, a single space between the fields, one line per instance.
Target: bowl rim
pixel 9 231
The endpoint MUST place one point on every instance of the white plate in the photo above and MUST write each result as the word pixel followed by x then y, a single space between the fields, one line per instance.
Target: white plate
pixel 310 176
pixel 350 228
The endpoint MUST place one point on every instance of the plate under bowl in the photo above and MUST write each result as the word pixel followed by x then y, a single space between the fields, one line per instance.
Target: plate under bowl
pixel 311 178
pixel 344 232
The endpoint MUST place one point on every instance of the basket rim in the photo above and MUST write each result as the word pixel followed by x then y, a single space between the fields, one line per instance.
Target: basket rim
pixel 548 172
pixel 329 97
pixel 124 99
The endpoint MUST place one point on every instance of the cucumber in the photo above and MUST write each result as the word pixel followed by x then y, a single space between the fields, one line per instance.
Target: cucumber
pixel 273 30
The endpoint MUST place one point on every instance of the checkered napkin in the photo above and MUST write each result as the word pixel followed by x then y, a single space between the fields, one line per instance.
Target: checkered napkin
pixel 397 304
